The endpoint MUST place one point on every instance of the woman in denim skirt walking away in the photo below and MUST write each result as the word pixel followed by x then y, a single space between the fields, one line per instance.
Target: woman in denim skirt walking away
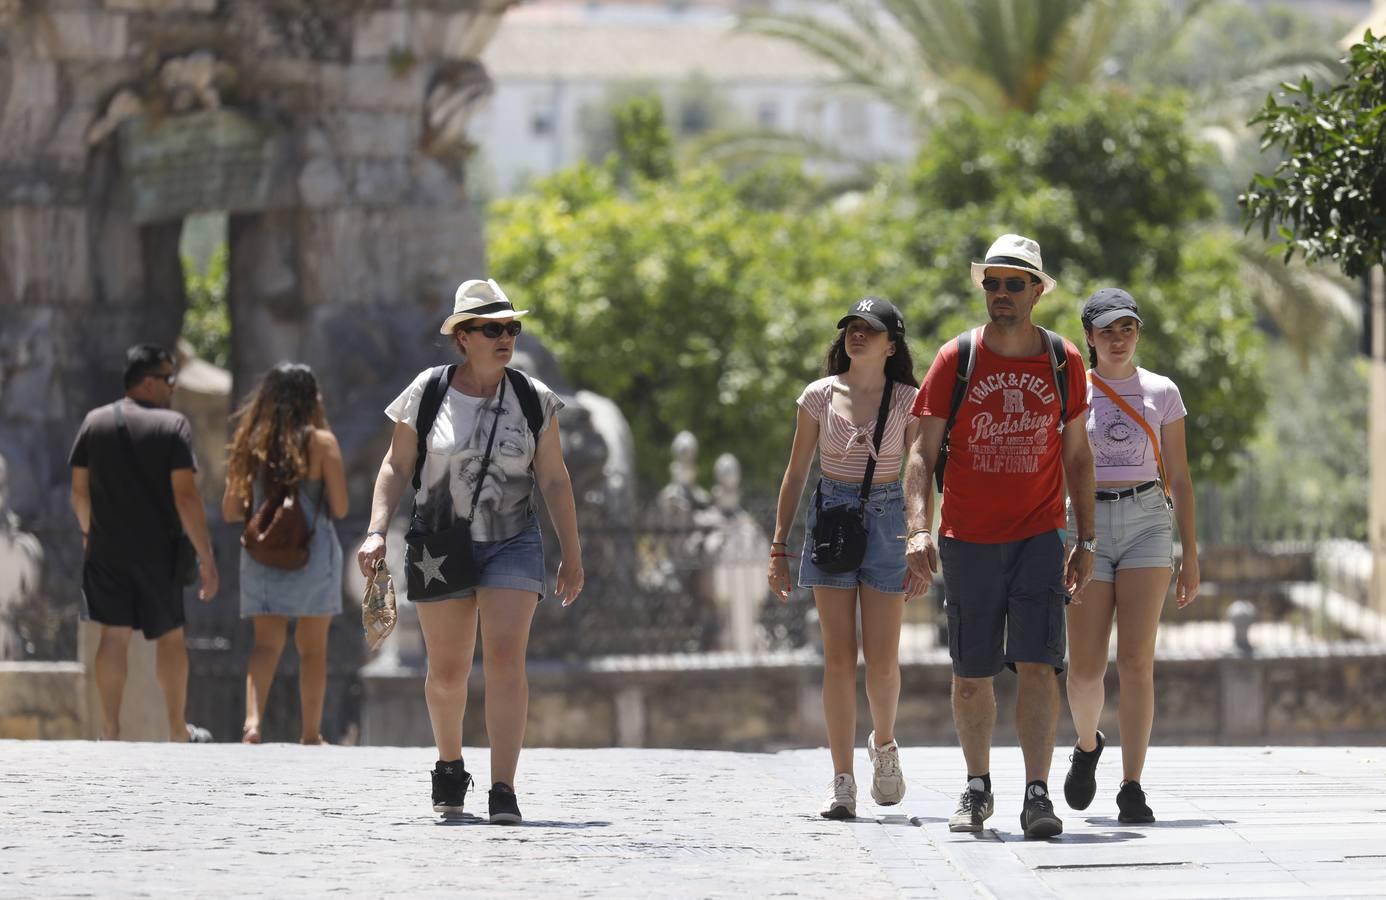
pixel 1137 434
pixel 838 415
pixel 282 440
pixel 475 439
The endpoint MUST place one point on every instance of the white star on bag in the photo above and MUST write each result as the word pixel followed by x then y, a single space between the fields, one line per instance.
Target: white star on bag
pixel 431 567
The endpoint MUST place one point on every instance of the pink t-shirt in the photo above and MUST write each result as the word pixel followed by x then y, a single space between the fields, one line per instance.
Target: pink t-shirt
pixel 1120 447
pixel 843 447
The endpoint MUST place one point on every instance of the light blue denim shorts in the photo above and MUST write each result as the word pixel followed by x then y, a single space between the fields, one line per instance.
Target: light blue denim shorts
pixel 1132 533
pixel 515 562
pixel 883 567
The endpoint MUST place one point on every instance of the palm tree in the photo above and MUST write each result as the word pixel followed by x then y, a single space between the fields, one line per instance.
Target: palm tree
pixel 923 56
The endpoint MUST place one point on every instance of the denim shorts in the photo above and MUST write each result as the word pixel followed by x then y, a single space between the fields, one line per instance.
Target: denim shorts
pixel 883 567
pixel 1004 602
pixel 1132 533
pixel 515 562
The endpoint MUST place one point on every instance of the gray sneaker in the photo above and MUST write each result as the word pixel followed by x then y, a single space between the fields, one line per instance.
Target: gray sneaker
pixel 887 781
pixel 842 798
pixel 975 806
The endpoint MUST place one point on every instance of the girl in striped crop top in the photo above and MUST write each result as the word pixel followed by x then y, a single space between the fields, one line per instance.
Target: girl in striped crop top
pixel 837 415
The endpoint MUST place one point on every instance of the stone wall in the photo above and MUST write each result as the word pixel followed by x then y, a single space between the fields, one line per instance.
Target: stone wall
pixel 333 135
pixel 724 702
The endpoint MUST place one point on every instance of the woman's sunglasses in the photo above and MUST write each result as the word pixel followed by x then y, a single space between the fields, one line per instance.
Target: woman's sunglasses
pixel 494 330
pixel 1013 285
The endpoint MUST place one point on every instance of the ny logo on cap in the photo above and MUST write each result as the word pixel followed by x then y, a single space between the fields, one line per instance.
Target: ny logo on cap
pixel 864 306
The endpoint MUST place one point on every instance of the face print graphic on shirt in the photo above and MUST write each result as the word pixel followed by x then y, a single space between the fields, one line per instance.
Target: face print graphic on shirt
pixel 1116 440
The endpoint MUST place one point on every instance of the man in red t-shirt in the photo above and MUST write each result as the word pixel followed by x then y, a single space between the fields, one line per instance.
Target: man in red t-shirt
pixel 1001 536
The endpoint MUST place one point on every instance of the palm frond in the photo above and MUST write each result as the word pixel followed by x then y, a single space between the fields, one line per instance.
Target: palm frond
pixel 1308 306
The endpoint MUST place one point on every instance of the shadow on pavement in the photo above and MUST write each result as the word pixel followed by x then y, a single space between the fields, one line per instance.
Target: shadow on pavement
pixel 470 819
pixel 1007 837
pixel 1169 823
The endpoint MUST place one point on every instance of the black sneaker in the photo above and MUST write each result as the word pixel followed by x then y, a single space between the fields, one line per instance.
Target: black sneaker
pixel 504 808
pixel 1131 802
pixel 450 783
pixel 1037 818
pixel 975 806
pixel 1081 783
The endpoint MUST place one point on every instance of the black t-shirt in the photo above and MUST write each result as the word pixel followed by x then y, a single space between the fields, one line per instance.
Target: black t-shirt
pixel 126 523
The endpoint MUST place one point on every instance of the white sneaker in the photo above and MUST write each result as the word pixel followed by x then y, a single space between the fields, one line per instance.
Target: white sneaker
pixel 842 798
pixel 887 781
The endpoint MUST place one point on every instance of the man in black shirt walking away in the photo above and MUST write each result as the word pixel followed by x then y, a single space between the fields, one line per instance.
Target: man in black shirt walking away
pixel 138 506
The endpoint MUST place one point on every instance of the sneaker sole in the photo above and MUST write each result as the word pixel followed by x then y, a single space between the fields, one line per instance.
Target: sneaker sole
pixel 1136 820
pixel 839 812
pixel 890 799
pixel 505 819
pixel 1044 828
pixel 447 812
pixel 966 827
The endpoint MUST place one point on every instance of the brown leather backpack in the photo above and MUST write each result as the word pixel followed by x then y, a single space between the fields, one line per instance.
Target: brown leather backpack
pixel 278 533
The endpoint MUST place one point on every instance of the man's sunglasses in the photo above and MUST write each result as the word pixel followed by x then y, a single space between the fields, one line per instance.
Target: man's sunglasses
pixel 494 330
pixel 170 379
pixel 1013 285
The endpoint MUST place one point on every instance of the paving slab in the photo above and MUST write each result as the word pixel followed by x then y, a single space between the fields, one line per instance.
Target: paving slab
pixel 86 819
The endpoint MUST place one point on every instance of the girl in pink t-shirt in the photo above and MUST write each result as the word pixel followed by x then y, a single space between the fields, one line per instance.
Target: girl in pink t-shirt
pixel 1136 429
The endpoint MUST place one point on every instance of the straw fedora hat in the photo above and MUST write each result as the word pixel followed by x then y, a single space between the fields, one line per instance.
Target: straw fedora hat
pixel 480 298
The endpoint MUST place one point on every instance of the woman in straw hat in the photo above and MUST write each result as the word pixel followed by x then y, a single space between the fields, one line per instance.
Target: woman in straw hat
pixel 474 439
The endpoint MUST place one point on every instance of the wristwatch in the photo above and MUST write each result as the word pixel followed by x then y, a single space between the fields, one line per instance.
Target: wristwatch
pixel 1089 545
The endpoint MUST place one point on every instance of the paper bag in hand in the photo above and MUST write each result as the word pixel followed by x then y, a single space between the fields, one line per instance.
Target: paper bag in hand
pixel 378 612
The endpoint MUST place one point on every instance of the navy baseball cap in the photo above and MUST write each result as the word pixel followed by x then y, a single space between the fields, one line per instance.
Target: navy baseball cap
pixel 1107 305
pixel 877 312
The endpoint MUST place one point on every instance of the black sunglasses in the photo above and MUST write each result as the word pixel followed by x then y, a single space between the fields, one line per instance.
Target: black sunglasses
pixel 494 330
pixel 170 379
pixel 1013 285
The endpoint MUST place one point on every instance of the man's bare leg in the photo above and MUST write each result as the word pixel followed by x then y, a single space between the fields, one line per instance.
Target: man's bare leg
pixel 112 655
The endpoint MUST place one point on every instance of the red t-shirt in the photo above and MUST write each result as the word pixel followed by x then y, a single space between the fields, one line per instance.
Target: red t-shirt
pixel 1005 476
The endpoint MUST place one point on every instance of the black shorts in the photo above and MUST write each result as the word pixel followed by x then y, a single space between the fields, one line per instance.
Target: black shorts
pixel 1005 603
pixel 132 595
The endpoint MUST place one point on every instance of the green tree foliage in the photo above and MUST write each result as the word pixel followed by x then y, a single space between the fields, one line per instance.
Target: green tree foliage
pixel 705 302
pixel 1108 183
pixel 1328 194
pixel 643 143
pixel 206 320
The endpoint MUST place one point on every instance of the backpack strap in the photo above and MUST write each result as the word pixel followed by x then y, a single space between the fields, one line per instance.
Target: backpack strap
pixel 1058 364
pixel 434 391
pixel 967 359
pixel 529 400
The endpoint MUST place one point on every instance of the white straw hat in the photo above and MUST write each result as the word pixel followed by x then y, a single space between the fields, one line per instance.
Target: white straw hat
pixel 1013 251
pixel 480 298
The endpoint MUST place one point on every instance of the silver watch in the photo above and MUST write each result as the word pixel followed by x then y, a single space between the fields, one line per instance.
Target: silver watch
pixel 1089 545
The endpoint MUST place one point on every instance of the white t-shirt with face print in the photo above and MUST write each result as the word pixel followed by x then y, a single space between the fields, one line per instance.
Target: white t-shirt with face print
pixel 456 446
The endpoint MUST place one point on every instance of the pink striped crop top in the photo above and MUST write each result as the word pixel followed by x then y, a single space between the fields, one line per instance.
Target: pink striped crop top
pixel 843 448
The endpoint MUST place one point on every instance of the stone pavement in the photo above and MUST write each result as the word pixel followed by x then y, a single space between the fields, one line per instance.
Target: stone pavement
pixel 97 819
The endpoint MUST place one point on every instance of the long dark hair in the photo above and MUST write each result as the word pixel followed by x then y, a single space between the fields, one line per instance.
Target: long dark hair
pixel 898 367
pixel 275 424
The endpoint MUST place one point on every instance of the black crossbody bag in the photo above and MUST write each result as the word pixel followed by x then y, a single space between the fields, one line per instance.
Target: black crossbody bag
pixel 441 563
pixel 184 553
pixel 839 533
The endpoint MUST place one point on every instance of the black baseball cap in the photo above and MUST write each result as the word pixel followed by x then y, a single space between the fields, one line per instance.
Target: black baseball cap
pixel 877 312
pixel 1107 305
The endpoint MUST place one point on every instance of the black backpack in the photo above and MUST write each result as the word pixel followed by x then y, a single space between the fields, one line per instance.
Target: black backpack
pixel 967 357
pixel 437 389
